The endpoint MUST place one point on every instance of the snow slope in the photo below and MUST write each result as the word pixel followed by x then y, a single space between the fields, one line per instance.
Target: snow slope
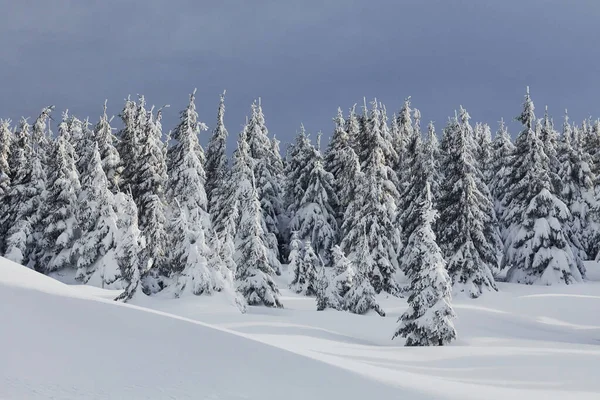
pixel 72 342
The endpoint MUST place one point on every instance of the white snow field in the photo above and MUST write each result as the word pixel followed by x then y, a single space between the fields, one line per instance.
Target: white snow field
pixel 61 341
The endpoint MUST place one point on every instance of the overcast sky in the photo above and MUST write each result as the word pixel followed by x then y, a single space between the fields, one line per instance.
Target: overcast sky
pixel 304 58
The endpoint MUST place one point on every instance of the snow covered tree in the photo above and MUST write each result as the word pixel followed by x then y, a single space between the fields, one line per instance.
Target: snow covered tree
pixel 254 273
pixel 360 298
pixel 315 219
pixel 352 127
pixel 577 189
pixel 538 249
pixel 332 290
pixel 549 138
pixel 404 139
pixel 300 158
pixel 342 162
pixel 129 146
pixel 264 163
pixel 5 144
pixel 294 256
pixel 111 160
pixel 94 250
pixel 59 214
pixel 305 272
pixel 484 151
pixel 192 257
pixel 428 320
pixel 216 156
pixel 372 213
pixel 500 169
pixel 128 247
pixel 468 229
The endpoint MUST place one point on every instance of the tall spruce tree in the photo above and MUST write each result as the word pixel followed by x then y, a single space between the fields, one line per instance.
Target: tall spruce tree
pixel 59 213
pixel 428 320
pixel 128 247
pixel 5 144
pixel 468 228
pixel 129 146
pixel 254 273
pixel 538 248
pixel 500 170
pixel 342 162
pixel 216 156
pixel 95 249
pixel 264 166
pixel 372 213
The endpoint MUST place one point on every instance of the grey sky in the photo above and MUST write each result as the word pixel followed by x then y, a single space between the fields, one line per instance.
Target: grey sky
pixel 304 58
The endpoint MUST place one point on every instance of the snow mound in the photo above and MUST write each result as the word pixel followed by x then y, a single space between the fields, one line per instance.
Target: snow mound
pixel 57 342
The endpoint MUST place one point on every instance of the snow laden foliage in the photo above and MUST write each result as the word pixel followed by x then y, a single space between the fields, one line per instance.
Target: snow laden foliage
pixel 577 190
pixel 306 264
pixel 467 228
pixel 404 138
pixel 371 213
pixel 314 220
pixel 352 127
pixel 426 171
pixel 428 320
pixel 129 146
pixel 5 144
pixel 342 162
pixel 216 157
pixel 265 166
pixel 299 161
pixel 484 156
pixel 59 212
pixel 149 184
pixel 254 270
pixel 198 265
pixel 95 249
pixel 500 169
pixel 549 138
pixel 538 249
pixel 128 246
pixel 24 200
pixel 111 160
pixel 360 298
pixel 333 288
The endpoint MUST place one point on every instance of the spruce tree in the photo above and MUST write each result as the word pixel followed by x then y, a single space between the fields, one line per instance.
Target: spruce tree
pixel 428 320
pixel 129 145
pixel 111 160
pixel 294 257
pixel 332 290
pixel 372 213
pixel 264 166
pixel 342 162
pixel 5 144
pixel 305 273
pixel 360 299
pixel 315 219
pixel 216 156
pixel 254 273
pixel 59 213
pixel 95 249
pixel 404 139
pixel 300 158
pixel 191 256
pixel 468 228
pixel 538 248
pixel 128 247
pixel 500 170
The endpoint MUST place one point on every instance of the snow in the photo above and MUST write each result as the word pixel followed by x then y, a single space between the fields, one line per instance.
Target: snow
pixel 73 342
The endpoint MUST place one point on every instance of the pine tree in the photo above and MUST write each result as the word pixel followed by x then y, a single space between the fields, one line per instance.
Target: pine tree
pixel 500 170
pixel 254 273
pixel 150 181
pixel 549 138
pixel 128 247
pixel 59 218
pixel 538 249
pixel 428 320
pixel 191 257
pixel 352 127
pixel 216 156
pixel 484 155
pixel 315 219
pixel 95 249
pixel 332 290
pixel 342 162
pixel 111 160
pixel 129 146
pixel 264 166
pixel 305 271
pixel 300 157
pixel 403 141
pixel 468 229
pixel 5 144
pixel 360 299
pixel 372 213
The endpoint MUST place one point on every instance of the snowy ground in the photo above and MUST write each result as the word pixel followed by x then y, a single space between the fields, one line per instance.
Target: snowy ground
pixel 59 341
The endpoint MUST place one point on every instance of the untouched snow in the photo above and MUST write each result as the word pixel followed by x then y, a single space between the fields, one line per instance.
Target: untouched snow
pixel 74 342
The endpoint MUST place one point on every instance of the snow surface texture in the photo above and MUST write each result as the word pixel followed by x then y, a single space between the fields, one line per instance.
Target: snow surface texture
pixel 73 342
